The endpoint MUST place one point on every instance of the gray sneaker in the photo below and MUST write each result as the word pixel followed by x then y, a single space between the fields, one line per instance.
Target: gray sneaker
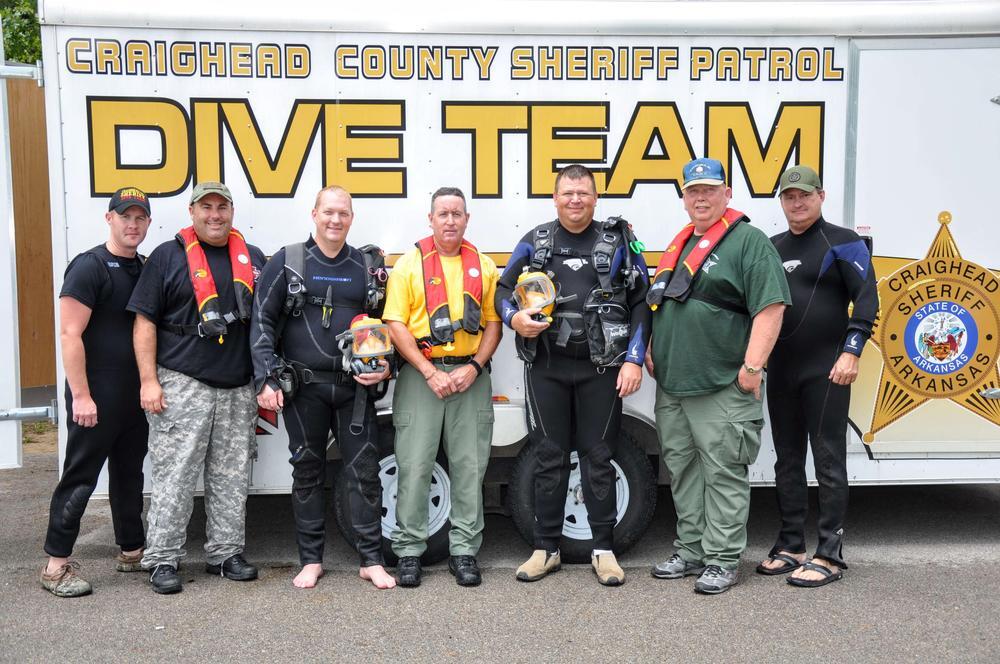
pixel 715 580
pixel 676 568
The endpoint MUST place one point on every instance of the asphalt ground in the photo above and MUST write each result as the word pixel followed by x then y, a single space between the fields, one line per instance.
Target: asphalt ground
pixel 922 586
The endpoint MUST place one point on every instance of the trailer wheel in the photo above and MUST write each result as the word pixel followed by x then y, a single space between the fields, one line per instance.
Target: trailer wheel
pixel 635 490
pixel 438 523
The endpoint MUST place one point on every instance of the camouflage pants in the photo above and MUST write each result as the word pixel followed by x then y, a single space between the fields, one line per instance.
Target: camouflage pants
pixel 202 428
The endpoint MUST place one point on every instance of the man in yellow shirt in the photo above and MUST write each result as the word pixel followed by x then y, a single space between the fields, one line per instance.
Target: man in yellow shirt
pixel 439 308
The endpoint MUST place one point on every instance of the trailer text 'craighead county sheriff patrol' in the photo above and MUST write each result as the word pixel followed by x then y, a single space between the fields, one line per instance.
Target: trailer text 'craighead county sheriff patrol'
pixel 139 57
pixel 361 140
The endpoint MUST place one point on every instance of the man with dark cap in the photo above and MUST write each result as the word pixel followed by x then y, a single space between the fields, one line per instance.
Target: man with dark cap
pixel 814 362
pixel 104 420
pixel 192 345
pixel 717 296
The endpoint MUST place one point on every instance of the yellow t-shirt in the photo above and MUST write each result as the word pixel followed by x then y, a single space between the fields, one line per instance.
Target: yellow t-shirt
pixel 405 301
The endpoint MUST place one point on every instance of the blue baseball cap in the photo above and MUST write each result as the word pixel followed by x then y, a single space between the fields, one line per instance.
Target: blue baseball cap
pixel 703 171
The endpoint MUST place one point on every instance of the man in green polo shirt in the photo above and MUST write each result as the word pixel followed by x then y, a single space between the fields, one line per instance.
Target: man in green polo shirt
pixel 718 297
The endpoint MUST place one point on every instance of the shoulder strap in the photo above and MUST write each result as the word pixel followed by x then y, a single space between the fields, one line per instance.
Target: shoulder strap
pixel 603 253
pixel 295 297
pixel 541 251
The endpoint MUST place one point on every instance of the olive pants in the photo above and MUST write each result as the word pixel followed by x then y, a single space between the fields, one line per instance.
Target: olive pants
pixel 464 423
pixel 707 442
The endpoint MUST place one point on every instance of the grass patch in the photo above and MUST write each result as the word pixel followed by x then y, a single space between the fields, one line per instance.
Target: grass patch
pixel 37 432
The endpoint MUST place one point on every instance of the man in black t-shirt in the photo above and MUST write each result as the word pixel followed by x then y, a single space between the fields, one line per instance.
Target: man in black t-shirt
pixel 193 351
pixel 332 292
pixel 104 420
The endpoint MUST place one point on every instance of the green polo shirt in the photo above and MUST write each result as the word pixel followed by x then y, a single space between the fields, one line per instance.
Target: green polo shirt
pixel 698 347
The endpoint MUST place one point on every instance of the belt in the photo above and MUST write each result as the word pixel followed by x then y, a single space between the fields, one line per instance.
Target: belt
pixel 308 377
pixel 452 360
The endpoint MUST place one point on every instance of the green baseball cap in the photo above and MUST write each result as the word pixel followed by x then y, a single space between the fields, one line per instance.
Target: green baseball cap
pixel 203 189
pixel 799 177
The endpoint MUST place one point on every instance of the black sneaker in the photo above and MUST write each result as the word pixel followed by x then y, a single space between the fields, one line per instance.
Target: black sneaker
pixel 465 570
pixel 165 580
pixel 234 568
pixel 408 571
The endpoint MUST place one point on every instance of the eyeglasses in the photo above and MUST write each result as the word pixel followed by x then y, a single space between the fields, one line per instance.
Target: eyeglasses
pixel 570 195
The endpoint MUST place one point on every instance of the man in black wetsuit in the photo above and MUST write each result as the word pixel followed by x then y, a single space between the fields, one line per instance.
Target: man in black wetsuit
pixel 335 284
pixel 813 364
pixel 104 420
pixel 573 404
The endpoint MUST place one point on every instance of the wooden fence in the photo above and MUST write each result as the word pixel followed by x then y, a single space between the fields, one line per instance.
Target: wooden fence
pixel 32 232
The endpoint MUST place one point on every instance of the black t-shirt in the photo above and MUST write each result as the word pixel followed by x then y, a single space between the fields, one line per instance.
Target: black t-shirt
pixel 104 283
pixel 164 295
pixel 304 338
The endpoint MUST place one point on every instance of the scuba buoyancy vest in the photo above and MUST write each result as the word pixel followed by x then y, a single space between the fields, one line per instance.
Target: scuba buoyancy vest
pixel 606 316
pixel 298 296
pixel 441 327
pixel 290 375
pixel 213 322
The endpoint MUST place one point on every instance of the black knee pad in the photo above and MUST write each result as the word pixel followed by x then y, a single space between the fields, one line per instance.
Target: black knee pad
pixel 550 458
pixel 363 468
pixel 599 471
pixel 75 505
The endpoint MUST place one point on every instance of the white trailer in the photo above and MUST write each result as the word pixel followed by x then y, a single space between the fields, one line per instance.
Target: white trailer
pixel 893 102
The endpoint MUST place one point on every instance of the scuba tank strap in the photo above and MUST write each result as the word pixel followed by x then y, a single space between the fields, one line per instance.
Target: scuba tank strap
pixel 603 254
pixel 295 295
pixel 541 250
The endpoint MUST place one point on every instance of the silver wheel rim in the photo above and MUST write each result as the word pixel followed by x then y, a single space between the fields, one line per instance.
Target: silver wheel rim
pixel 575 525
pixel 439 500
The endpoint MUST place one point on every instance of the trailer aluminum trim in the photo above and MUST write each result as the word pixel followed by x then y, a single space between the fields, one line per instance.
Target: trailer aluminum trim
pixel 850 18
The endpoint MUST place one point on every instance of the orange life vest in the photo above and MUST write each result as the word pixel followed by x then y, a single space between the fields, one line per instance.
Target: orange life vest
pixel 214 322
pixel 442 327
pixel 678 286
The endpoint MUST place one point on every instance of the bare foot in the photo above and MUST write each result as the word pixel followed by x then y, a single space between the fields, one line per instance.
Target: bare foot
pixel 811 575
pixel 771 563
pixel 378 576
pixel 309 575
pixel 54 564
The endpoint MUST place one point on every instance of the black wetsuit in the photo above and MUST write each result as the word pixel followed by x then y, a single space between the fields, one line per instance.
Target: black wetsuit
pixel 103 282
pixel 324 405
pixel 571 404
pixel 828 267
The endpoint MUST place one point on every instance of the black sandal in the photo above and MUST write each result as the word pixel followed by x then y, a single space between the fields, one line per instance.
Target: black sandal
pixel 790 564
pixel 829 576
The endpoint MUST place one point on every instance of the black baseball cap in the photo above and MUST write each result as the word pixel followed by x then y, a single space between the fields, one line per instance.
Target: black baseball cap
pixel 127 197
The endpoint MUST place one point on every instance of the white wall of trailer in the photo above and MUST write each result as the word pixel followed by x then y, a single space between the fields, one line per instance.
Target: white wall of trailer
pixel 880 113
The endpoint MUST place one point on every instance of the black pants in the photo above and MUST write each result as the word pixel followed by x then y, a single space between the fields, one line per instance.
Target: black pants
pixel 120 439
pixel 311 415
pixel 810 408
pixel 571 406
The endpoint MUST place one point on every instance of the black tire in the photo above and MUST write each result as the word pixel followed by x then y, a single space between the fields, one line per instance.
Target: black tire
pixel 437 539
pixel 634 515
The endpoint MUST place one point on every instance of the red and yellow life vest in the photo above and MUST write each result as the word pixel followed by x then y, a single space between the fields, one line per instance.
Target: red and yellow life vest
pixel 213 319
pixel 678 286
pixel 442 327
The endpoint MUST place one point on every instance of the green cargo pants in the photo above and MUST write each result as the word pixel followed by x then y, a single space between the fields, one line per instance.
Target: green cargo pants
pixel 464 422
pixel 707 442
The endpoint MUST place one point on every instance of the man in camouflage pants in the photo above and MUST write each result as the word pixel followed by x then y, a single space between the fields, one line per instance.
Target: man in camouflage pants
pixel 192 347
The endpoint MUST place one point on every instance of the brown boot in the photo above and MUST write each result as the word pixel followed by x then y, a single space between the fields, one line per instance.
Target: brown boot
pixel 65 582
pixel 538 565
pixel 608 572
pixel 129 563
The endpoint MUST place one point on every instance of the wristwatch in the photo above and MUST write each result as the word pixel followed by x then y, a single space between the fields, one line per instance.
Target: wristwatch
pixel 752 370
